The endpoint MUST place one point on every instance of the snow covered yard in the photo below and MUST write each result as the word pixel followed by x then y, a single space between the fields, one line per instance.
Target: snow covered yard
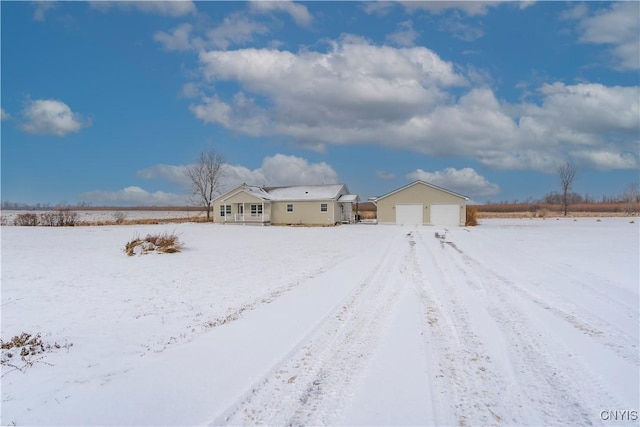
pixel 513 322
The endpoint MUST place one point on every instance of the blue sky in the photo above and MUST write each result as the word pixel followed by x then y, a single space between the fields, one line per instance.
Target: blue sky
pixel 108 102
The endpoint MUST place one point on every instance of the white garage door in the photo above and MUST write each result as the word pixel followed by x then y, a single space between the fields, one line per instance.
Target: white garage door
pixel 409 214
pixel 445 215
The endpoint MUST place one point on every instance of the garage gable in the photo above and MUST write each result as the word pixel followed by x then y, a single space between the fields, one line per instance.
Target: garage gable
pixel 450 207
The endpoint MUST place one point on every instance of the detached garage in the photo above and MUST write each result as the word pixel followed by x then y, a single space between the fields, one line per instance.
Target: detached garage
pixel 421 203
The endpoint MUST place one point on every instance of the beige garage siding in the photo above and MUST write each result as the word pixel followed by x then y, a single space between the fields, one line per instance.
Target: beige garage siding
pixel 303 213
pixel 418 193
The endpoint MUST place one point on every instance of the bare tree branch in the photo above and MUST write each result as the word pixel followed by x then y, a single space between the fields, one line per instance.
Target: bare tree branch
pixel 205 176
pixel 567 173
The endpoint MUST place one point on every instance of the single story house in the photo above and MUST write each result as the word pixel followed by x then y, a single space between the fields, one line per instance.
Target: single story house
pixel 299 205
pixel 422 203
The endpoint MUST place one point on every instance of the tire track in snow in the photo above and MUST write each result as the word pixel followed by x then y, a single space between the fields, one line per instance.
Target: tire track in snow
pixel 311 385
pixel 579 318
pixel 467 387
pixel 550 387
pixel 236 313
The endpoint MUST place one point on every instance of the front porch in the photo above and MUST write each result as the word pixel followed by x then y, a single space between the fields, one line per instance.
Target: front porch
pixel 246 213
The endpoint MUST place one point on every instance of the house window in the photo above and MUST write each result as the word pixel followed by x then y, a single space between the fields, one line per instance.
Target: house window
pixel 225 209
pixel 256 210
pixel 323 207
pixel 290 207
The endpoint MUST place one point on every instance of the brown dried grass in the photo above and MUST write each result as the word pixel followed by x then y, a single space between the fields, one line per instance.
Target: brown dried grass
pixel 161 243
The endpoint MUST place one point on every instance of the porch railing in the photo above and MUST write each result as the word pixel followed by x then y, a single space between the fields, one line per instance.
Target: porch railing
pixel 247 217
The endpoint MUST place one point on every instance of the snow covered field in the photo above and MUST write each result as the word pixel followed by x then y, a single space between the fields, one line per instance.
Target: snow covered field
pixel 524 322
pixel 9 216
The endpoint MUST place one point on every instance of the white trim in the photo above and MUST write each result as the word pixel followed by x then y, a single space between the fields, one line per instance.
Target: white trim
pixel 425 183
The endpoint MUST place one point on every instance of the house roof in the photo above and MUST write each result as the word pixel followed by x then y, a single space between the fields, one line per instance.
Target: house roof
pixel 425 183
pixel 294 193
pixel 349 198
pixel 306 192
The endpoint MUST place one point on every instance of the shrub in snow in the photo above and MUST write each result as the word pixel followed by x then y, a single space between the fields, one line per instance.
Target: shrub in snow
pixel 119 217
pixel 162 243
pixel 26 219
pixel 25 347
pixel 59 218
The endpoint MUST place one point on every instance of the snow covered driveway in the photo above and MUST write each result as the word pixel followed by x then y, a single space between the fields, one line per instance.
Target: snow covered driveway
pixel 512 322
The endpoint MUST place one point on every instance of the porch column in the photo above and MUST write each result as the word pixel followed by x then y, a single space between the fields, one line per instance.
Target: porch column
pixel 263 211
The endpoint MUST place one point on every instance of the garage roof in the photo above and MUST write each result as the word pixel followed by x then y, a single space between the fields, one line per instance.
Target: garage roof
pixel 425 183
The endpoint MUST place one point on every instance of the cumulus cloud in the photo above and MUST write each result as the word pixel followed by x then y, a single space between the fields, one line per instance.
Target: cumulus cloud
pixel 465 181
pixel 470 8
pixel 607 160
pixel 405 35
pixel 279 169
pixel 337 96
pixel 50 117
pixel 178 39
pixel 174 8
pixel 617 26
pixel 235 29
pixel 409 98
pixel 379 8
pixel 298 12
pixel 134 196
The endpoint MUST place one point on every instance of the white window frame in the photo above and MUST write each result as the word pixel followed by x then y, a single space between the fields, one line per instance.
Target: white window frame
pixel 324 207
pixel 225 210
pixel 256 210
pixel 289 205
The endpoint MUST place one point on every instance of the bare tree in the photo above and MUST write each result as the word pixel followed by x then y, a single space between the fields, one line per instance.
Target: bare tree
pixel 631 198
pixel 567 173
pixel 205 176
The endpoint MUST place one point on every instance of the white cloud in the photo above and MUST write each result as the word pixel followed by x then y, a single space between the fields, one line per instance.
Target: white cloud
pixel 134 196
pixel 318 96
pixel 405 36
pixel 174 8
pixel 468 7
pixel 4 115
pixel 618 26
pixel 279 169
pixel 607 160
pixel 465 181
pixel 379 8
pixel 359 93
pixel 178 39
pixel 235 29
pixel 42 7
pixel 50 117
pixel 298 12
